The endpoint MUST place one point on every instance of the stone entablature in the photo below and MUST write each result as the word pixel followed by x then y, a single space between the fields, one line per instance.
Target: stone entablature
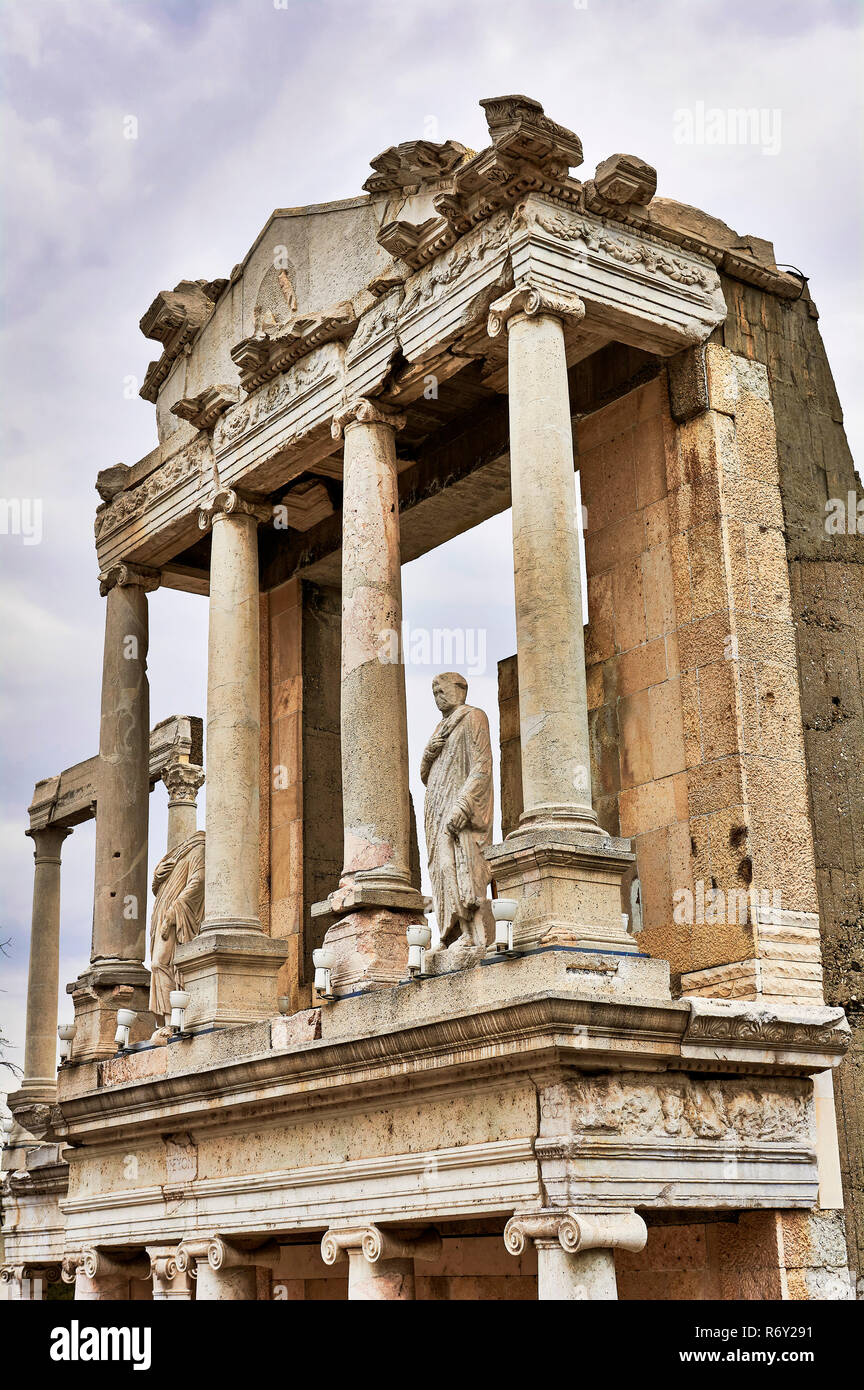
pixel 604 1093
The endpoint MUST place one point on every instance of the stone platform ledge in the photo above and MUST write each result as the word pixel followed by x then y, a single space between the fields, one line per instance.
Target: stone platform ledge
pixel 510 1018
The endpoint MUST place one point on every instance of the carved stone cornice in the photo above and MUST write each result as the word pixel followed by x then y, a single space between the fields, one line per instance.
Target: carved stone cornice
pixel 412 163
pixel 204 410
pixel 532 299
pixel 227 502
pixel 126 575
pixel 518 125
pixel 375 1244
pixel 183 782
pixel 620 180
pixel 364 411
pixel 173 319
pixel 265 355
pixel 576 1230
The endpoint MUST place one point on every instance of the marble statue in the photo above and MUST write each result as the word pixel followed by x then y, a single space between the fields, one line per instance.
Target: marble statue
pixel 457 773
pixel 178 886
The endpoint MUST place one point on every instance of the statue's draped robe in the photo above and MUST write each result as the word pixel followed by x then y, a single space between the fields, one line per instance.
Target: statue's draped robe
pixel 457 772
pixel 178 885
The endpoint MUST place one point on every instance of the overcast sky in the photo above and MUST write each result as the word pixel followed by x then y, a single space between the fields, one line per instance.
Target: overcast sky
pixel 246 105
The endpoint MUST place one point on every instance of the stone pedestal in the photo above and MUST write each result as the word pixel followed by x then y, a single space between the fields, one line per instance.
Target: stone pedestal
pixel 575 1249
pixel 39 1085
pixel 375 897
pixel 380 1263
pixel 565 873
pixel 230 969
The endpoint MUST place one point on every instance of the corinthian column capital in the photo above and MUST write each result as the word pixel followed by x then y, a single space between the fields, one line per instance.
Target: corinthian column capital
pixel 228 502
pixel 183 781
pixel 575 1231
pixel 364 411
pixel 125 574
pixel 532 299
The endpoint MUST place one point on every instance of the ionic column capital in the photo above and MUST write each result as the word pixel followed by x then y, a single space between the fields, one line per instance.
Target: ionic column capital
pixel 98 1264
pixel 222 1254
pixel 125 575
pixel 183 782
pixel 532 300
pixel 70 1265
pixel 363 411
pixel 376 1244
pixel 575 1231
pixel 226 502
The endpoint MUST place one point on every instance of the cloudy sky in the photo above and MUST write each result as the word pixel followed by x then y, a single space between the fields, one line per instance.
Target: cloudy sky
pixel 241 106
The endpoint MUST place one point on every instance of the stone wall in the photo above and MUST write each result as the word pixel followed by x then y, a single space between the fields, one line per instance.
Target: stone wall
pixel 827 589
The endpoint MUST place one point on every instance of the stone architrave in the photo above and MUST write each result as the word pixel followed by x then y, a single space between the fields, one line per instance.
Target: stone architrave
pixel 456 771
pixel 178 886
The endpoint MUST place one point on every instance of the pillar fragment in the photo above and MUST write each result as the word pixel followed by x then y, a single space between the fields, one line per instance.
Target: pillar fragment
pixel 182 781
pixel 565 872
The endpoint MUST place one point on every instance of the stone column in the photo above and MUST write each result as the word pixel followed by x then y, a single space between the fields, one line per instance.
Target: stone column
pixel 230 968
pixel 168 1281
pixel 117 977
pixel 40 1045
pixel 103 1277
pixel 575 1250
pixel 380 1264
pixel 574 869
pixel 182 781
pixel 375 896
pixel 225 1271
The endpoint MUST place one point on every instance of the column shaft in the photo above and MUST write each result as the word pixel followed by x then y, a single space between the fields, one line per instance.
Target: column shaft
pixel 43 979
pixel 589 1274
pixel 381 1280
pixel 233 725
pixel 232 1283
pixel 123 791
pixel 553 708
pixel 374 719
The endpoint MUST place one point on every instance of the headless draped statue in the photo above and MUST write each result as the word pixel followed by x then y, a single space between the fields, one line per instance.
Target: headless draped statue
pixel 457 773
pixel 178 885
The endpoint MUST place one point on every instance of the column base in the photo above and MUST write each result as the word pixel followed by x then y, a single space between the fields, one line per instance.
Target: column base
pixel 231 974
pixel 97 994
pixel 568 885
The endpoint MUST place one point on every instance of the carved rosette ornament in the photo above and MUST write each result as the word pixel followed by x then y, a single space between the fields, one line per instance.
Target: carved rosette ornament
pixel 532 299
pixel 575 1231
pixel 363 411
pixel 228 502
pixel 124 575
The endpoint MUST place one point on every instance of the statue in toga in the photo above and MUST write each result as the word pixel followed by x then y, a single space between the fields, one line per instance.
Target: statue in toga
pixel 178 885
pixel 457 773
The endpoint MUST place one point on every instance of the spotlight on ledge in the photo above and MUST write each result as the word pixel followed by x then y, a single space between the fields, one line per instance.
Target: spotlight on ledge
pixel 419 938
pixel 324 960
pixel 504 911
pixel 125 1019
pixel 66 1033
pixel 179 1001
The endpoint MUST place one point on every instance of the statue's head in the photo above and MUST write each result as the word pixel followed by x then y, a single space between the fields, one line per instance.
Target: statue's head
pixel 450 689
